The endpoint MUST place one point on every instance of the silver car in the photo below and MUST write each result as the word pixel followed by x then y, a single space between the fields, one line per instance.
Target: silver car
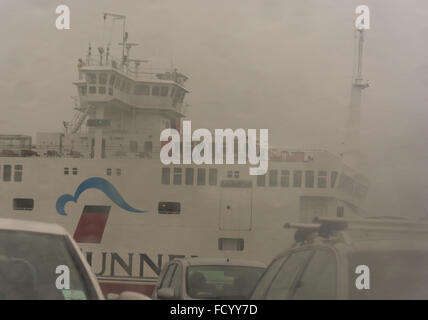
pixel 200 278
pixel 42 261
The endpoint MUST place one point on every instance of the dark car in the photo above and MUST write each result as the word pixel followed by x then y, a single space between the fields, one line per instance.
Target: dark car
pixel 201 278
pixel 336 258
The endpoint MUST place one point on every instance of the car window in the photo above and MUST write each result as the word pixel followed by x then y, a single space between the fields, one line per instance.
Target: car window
pixel 265 281
pixel 221 281
pixel 28 262
pixel 319 278
pixel 283 282
pixel 166 281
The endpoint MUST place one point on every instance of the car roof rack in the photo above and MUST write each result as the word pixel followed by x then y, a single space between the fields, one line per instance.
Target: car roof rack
pixel 327 227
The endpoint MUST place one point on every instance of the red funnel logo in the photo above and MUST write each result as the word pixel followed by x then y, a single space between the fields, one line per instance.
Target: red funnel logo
pixel 91 225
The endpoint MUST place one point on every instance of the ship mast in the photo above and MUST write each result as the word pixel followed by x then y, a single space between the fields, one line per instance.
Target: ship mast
pixel 351 152
pixel 124 33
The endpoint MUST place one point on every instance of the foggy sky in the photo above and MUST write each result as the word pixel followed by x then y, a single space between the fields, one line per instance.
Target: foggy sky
pixel 285 65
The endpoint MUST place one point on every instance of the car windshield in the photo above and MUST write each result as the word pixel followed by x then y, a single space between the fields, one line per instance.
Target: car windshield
pixel 28 263
pixel 221 282
pixel 393 274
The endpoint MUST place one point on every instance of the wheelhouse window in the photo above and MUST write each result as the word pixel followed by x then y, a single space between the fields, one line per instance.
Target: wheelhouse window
pixel 23 204
pixel 309 179
pixel 91 78
pixel 108 171
pixel 273 178
pixel 117 83
pixel 66 171
pixel 297 178
pixel 102 78
pixel 102 90
pixel 83 90
pixel 142 89
pixel 164 91
pixel 285 178
pixel 92 90
pixel 155 91
pixel 112 78
pixel 333 179
pixel 322 179
pixel 128 87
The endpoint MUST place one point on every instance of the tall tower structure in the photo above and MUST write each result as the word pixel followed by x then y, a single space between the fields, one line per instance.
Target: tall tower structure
pixel 351 150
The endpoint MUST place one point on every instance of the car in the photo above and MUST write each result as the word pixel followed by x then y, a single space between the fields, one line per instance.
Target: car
pixel 41 261
pixel 205 278
pixel 339 258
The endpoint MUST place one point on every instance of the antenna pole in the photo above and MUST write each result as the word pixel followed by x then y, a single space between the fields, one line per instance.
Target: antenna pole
pixel 351 152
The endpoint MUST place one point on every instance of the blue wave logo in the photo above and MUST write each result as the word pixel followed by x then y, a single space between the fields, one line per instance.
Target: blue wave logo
pixel 95 183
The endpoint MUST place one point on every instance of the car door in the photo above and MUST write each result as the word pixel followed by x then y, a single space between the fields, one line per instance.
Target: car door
pixel 319 279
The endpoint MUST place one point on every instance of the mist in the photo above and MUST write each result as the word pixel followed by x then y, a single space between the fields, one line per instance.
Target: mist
pixel 282 65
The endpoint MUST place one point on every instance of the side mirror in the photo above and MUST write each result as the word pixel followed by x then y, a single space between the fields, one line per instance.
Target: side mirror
pixel 127 295
pixel 166 293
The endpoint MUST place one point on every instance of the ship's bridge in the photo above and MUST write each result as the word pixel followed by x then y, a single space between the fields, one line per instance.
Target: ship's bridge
pixel 123 86
pixel 120 101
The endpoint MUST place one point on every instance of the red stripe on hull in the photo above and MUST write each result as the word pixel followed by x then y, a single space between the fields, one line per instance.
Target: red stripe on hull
pixel 92 223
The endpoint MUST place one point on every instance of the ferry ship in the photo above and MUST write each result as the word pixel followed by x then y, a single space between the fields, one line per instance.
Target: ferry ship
pixel 102 180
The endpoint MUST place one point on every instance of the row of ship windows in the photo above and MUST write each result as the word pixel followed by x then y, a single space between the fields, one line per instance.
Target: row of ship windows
pixel 9 171
pixel 75 171
pixel 283 178
pixel 126 86
pixel 274 179
pixel 189 176
pixel 163 207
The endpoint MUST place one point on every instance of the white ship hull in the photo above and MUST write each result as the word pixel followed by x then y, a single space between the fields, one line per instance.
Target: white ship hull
pixel 129 250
